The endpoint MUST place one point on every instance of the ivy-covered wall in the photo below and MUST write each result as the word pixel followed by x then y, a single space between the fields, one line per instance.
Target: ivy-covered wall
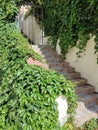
pixel 30 27
pixel 72 22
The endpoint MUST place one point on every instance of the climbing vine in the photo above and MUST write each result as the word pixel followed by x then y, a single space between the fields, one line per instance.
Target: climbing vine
pixel 72 22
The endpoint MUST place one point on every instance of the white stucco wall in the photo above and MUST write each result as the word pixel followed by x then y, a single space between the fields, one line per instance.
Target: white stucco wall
pixel 33 31
pixel 86 65
pixel 30 27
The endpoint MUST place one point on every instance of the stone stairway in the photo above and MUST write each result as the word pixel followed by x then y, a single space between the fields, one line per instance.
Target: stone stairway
pixel 87 98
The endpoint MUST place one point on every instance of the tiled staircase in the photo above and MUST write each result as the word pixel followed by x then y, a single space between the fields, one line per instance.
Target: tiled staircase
pixel 87 98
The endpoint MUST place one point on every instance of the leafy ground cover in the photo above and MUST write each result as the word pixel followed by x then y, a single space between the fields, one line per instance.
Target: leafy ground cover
pixel 28 92
pixel 90 125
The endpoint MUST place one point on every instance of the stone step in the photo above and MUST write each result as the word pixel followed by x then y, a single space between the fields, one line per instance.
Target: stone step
pixel 57 64
pixel 49 54
pixel 79 81
pixel 53 64
pixel 84 89
pixel 54 56
pixel 74 75
pixel 70 69
pixel 47 51
pixel 63 70
pixel 88 99
pixel 45 47
pixel 52 59
pixel 41 46
pixel 43 51
pixel 85 113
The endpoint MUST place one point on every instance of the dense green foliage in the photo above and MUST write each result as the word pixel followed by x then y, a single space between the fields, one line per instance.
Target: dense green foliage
pixel 27 93
pixel 90 125
pixel 13 44
pixel 9 8
pixel 72 22
pixel 28 98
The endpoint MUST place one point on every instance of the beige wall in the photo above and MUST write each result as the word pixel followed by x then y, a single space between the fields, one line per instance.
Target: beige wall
pixel 32 30
pixel 86 65
pixel 30 27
